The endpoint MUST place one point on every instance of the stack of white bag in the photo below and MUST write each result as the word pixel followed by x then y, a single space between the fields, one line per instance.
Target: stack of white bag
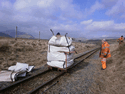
pixel 13 72
pixel 56 48
pixel 20 69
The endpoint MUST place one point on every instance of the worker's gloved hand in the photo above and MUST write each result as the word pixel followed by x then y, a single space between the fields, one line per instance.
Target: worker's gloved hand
pixel 100 53
pixel 105 55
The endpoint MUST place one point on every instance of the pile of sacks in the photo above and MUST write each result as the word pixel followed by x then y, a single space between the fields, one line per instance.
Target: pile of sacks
pixel 57 47
pixel 13 72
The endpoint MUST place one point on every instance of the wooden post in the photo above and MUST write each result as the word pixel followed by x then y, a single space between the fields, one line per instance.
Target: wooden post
pixel 39 35
pixel 16 34
pixel 66 60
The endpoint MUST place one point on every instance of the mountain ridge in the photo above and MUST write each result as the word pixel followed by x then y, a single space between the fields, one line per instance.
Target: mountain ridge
pixel 19 34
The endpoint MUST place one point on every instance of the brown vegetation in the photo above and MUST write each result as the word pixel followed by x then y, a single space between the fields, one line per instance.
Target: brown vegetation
pixel 33 52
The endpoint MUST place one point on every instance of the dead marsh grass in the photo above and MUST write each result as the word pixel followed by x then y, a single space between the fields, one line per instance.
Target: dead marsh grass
pixel 33 52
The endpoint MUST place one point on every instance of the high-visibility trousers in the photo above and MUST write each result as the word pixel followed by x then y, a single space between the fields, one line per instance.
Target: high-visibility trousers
pixel 103 61
pixel 120 42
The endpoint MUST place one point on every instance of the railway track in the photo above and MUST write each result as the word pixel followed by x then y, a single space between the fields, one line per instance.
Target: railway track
pixel 36 82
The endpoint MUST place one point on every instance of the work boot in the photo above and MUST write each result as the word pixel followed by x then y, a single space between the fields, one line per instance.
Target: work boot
pixel 102 69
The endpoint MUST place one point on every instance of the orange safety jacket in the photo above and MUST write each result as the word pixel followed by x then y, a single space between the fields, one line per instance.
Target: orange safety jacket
pixel 105 50
pixel 121 39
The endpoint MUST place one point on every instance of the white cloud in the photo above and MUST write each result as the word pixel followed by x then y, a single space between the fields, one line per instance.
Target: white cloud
pixel 93 8
pixel 99 25
pixel 39 15
pixel 123 16
pixel 32 16
pixel 86 22
pixel 109 3
pixel 45 3
pixel 118 8
pixel 63 8
pixel 104 35
pixel 108 26
pixel 6 4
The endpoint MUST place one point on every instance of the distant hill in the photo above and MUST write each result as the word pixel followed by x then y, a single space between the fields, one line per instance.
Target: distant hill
pixel 79 39
pixel 105 38
pixel 25 36
pixel 111 37
pixel 4 35
pixel 19 34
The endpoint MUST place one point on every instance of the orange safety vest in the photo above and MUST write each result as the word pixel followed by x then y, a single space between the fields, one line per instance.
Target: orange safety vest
pixel 121 39
pixel 105 50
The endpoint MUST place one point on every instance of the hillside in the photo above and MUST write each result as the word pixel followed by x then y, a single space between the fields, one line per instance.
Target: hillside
pixel 4 35
pixel 25 36
pixel 83 39
pixel 19 34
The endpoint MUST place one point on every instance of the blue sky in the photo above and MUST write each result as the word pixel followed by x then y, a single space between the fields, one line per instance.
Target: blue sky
pixel 78 18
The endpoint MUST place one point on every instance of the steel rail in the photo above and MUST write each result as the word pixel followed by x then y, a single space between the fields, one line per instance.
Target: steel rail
pixel 84 58
pixel 42 85
pixel 20 81
pixel 85 53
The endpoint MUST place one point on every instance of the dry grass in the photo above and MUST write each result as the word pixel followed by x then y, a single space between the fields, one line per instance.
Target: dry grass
pixel 4 47
pixel 29 51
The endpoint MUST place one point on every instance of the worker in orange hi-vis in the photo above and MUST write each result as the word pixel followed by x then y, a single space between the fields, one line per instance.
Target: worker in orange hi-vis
pixel 120 40
pixel 104 53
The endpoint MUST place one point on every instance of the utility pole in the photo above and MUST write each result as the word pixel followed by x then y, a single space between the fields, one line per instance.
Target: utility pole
pixel 16 34
pixel 39 35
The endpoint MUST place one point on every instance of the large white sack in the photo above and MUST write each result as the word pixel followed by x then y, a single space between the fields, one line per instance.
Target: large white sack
pixel 57 56
pixel 7 76
pixel 60 41
pixel 30 68
pixel 52 48
pixel 22 74
pixel 60 64
pixel 21 67
pixel 12 68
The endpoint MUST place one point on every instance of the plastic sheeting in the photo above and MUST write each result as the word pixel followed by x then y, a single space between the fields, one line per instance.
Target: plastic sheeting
pixel 60 41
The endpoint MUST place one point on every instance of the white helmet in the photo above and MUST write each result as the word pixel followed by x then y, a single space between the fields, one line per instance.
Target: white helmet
pixel 103 39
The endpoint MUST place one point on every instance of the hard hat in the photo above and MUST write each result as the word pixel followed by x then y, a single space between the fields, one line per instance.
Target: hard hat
pixel 58 33
pixel 103 39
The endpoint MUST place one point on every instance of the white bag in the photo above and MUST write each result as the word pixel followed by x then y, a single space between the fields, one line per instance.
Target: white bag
pixel 12 68
pixel 21 67
pixel 61 41
pixel 57 56
pixel 7 76
pixel 52 48
pixel 60 64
